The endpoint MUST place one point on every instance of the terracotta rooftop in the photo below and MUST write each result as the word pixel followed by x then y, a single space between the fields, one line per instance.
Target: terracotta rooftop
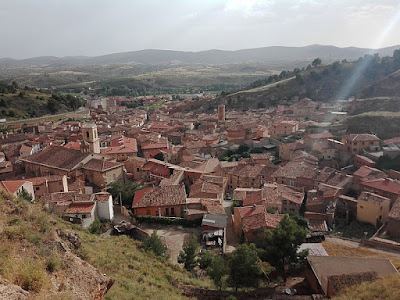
pixel 276 193
pixel 387 185
pixel 57 157
pixel 372 173
pixel 317 225
pixel 11 186
pixel 102 196
pixel 296 169
pixel 395 211
pixel 80 207
pixel 203 186
pixel 373 198
pixel 41 180
pixel 160 196
pixel 101 165
pixel 71 196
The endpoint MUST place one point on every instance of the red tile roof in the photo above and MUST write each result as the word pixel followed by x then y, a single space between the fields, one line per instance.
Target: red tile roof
pixel 365 171
pixel 373 198
pixel 57 157
pixel 161 196
pixel 387 185
pixel 101 165
pixel 80 208
pixel 11 186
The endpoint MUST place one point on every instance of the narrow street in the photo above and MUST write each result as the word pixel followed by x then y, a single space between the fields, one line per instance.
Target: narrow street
pixel 231 239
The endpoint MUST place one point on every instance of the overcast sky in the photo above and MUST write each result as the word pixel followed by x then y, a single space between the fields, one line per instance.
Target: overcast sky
pixel 31 28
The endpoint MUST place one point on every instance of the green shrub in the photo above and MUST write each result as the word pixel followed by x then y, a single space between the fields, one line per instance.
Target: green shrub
pixel 95 227
pixel 153 243
pixel 53 263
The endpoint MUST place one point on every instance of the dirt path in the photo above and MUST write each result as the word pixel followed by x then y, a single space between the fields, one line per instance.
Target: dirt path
pixel 173 236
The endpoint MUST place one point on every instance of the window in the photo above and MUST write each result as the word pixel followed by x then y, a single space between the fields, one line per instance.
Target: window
pixel 37 188
pixel 172 211
pixel 167 211
pixel 284 202
pixel 157 213
pixel 148 212
pixel 87 134
pixel 137 170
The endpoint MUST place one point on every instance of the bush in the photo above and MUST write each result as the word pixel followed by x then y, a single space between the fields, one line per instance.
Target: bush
pixel 95 227
pixel 188 254
pixel 30 276
pixel 154 244
pixel 53 264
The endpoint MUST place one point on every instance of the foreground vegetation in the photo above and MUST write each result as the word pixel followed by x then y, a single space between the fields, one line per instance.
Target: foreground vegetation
pixel 21 103
pixel 29 257
pixel 382 289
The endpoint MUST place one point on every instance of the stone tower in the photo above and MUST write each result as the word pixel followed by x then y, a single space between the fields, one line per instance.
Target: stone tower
pixel 221 113
pixel 89 133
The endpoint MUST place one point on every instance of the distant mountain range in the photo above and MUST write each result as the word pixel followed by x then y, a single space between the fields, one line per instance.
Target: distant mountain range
pixel 151 56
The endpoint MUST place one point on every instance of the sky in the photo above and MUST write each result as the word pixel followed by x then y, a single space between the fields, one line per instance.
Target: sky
pixel 30 28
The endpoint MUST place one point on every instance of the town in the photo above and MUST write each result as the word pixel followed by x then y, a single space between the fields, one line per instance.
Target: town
pixel 225 176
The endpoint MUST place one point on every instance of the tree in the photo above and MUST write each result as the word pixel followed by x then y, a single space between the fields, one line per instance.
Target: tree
pixel 316 62
pixel 299 79
pixel 154 244
pixel 244 266
pixel 126 190
pixel 159 156
pixel 280 245
pixel 217 269
pixel 242 148
pixel 95 227
pixel 205 260
pixel 53 105
pixel 188 254
pixel 214 265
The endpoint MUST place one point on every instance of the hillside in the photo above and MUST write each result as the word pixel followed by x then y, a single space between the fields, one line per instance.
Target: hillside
pixel 384 124
pixel 336 81
pixel 169 71
pixel 387 87
pixel 154 56
pixel 20 103
pixel 38 252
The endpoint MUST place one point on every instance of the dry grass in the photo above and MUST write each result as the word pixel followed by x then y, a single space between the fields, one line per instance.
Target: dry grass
pixel 382 289
pixel 28 259
pixel 138 274
pixel 342 250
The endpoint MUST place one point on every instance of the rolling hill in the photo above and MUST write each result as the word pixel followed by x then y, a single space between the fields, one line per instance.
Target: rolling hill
pixel 264 54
